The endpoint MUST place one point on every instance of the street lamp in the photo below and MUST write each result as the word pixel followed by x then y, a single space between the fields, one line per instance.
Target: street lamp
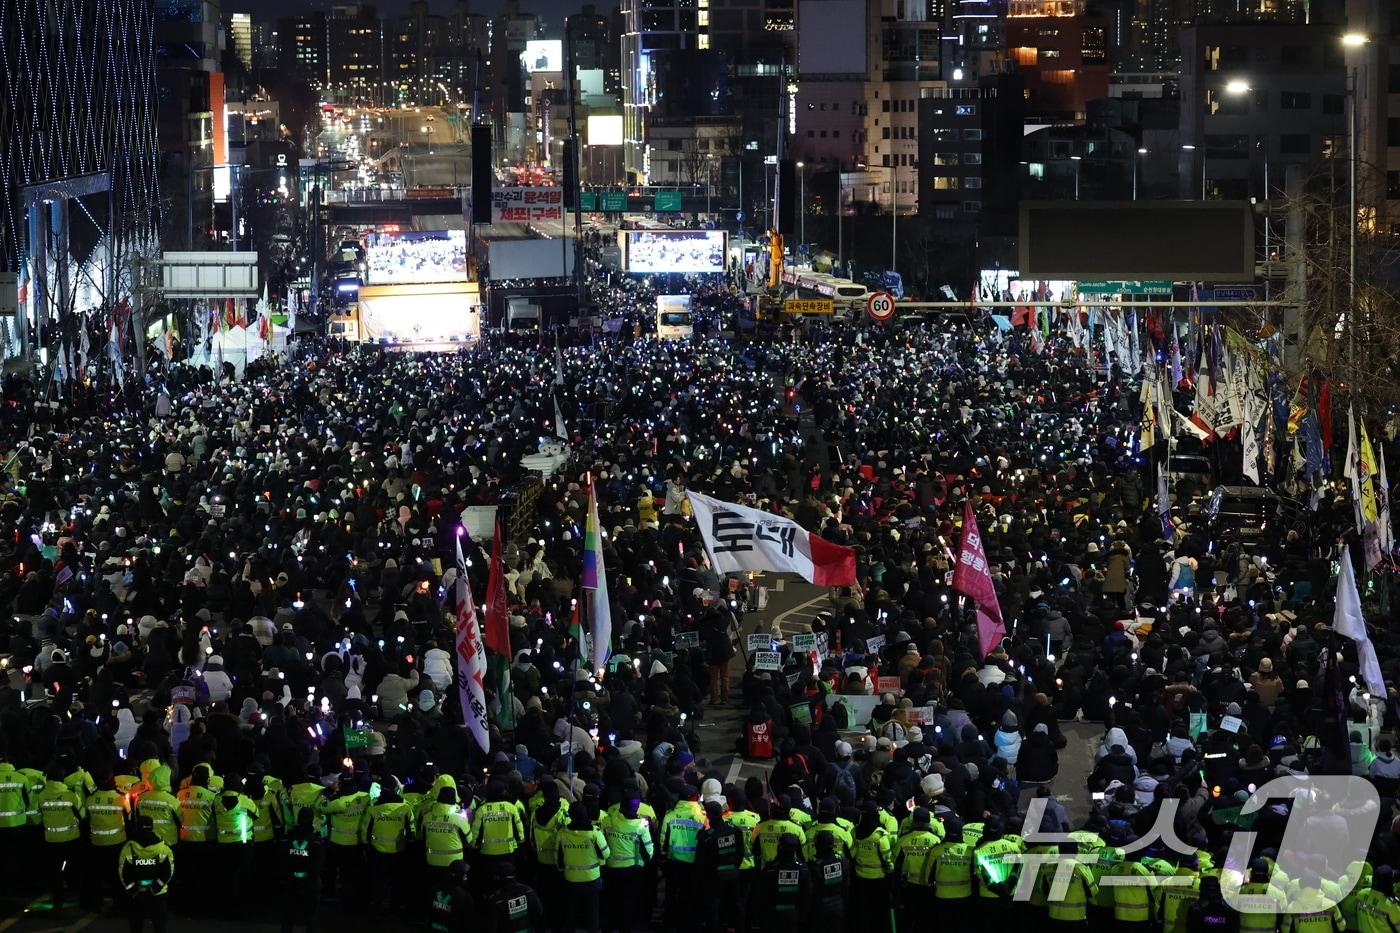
pixel 1076 160
pixel 1352 40
pixel 1236 87
pixel 801 203
pixel 1142 151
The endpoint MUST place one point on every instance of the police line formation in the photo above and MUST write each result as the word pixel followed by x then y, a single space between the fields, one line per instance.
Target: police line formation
pixel 233 678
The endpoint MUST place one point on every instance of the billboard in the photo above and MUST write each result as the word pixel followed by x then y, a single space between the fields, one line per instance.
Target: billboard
pixel 543 55
pixel 650 251
pixel 1209 241
pixel 526 203
pixel 529 259
pixel 450 312
pixel 605 129
pixel 831 37
pixel 416 256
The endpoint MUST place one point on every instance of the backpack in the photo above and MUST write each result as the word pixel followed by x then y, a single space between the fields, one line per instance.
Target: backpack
pixel 844 777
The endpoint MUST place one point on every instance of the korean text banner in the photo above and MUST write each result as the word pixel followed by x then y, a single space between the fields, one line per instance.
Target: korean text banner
pixel 739 539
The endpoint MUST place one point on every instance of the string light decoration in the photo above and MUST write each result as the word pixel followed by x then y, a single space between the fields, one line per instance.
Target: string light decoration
pixel 78 96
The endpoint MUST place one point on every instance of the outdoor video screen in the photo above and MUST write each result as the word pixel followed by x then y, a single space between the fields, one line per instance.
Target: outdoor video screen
pixel 651 251
pixel 416 257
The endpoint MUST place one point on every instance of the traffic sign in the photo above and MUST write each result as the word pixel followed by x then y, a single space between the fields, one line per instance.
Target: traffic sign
pixel 666 201
pixel 613 201
pixel 1110 287
pixel 588 200
pixel 1232 293
pixel 880 306
pixel 809 306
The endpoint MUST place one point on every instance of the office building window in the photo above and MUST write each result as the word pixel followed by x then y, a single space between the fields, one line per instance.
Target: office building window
pixel 945 183
pixel 1392 131
pixel 972 134
pixel 1294 143
pixel 972 158
pixel 885 133
pixel 972 207
pixel 945 212
pixel 1295 100
pixel 1392 185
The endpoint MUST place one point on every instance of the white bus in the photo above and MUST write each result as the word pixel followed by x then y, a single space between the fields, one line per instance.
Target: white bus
pixel 846 294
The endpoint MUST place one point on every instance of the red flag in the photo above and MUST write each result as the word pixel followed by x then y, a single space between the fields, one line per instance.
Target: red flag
pixel 497 614
pixel 1324 415
pixel 972 578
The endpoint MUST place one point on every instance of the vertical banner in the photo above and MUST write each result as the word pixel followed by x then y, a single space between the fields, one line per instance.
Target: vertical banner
pixel 471 660
pixel 972 578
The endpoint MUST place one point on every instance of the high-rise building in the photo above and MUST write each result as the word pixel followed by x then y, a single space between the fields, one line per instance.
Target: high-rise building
pixel 240 37
pixel 1062 55
pixel 862 67
pixel 57 123
pixel 355 52
pixel 510 31
pixel 192 127
pixel 1256 98
pixel 1373 70
pixel 302 47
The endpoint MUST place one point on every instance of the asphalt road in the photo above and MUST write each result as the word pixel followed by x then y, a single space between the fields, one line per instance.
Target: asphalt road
pixel 792 603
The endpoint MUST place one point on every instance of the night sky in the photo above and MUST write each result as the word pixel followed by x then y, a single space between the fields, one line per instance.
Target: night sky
pixel 553 11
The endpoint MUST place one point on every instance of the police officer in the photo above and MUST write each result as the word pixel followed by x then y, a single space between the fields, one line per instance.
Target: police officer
pixel 346 814
pixel 145 866
pixel 1377 910
pixel 197 835
pixel 550 817
pixel 452 910
pixel 994 868
pixel 582 851
pixel 785 887
pixel 162 807
pixel 234 814
pixel 830 871
pixel 952 877
pixel 388 829
pixel 913 867
pixel 498 829
pixel 1308 910
pixel 770 832
pixel 1259 901
pixel 514 907
pixel 62 815
pixel 829 822
pixel 1070 909
pixel 309 794
pixel 303 858
pixel 720 850
pixel 680 832
pixel 873 857
pixel 1210 914
pixel 447 833
pixel 630 850
pixel 108 809
pixel 14 808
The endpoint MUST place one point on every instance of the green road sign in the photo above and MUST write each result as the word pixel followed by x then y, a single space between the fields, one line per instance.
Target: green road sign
pixel 587 201
pixel 1105 287
pixel 666 201
pixel 613 201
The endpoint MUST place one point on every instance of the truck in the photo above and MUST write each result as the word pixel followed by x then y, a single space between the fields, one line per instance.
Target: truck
pixel 673 320
pixel 522 316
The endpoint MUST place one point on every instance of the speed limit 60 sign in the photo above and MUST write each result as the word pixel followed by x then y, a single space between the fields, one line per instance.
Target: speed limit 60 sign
pixel 880 306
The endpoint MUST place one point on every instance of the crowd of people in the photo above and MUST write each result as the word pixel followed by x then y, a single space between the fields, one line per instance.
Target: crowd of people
pixel 231 643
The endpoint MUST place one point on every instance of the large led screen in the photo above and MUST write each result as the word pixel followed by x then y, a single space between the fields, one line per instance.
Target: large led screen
pixel 652 251
pixel 452 313
pixel 416 257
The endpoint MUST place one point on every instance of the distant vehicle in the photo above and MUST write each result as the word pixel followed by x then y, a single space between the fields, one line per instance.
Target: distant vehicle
pixel 522 316
pixel 1247 514
pixel 849 297
pixel 673 320
pixel 1193 470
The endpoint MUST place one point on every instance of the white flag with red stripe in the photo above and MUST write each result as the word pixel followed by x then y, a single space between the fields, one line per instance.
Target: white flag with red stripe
pixel 739 539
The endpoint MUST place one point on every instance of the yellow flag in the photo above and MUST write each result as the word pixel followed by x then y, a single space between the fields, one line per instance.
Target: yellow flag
pixel 1367 469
